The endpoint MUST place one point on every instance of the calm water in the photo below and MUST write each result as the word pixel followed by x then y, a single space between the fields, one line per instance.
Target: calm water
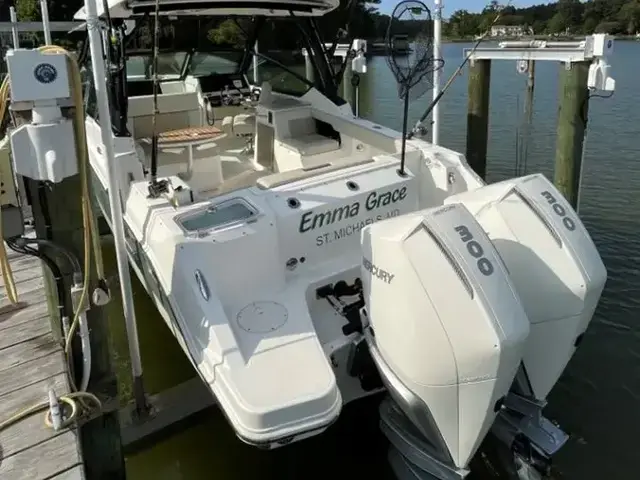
pixel 597 400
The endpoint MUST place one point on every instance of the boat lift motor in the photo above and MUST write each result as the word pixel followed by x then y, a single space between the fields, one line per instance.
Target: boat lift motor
pixel 359 62
pixel 43 149
pixel 600 46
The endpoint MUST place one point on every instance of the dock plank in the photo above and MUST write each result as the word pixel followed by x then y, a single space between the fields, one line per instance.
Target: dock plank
pixel 32 349
pixel 76 473
pixel 31 430
pixel 32 363
pixel 33 371
pixel 25 262
pixel 28 269
pixel 10 317
pixel 42 461
pixel 26 331
pixel 28 291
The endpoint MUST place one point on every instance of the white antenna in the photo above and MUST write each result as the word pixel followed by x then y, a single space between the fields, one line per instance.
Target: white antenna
pixel 437 72
pixel 46 28
pixel 256 77
pixel 14 27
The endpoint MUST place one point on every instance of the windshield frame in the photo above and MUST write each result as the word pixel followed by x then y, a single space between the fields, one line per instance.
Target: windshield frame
pixel 323 78
pixel 143 52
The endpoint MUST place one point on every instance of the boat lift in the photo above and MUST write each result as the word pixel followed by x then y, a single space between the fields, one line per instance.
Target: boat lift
pixel 595 49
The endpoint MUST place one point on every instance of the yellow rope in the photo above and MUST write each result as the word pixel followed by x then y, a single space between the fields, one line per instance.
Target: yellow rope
pixel 69 399
pixel 7 273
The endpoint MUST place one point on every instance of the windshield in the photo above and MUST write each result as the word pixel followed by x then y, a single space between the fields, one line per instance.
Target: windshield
pixel 280 69
pixel 205 63
pixel 225 46
pixel 170 65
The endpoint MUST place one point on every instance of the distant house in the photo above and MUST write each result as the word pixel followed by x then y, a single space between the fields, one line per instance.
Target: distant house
pixel 507 31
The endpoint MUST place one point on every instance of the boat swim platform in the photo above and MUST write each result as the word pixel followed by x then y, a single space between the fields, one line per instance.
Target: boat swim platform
pixel 31 363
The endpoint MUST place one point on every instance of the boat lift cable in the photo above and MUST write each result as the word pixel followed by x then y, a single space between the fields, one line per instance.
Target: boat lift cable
pixel 523 135
pixel 418 127
pixel 528 68
pixel 585 120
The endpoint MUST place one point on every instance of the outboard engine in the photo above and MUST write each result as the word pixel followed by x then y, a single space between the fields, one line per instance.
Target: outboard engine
pixel 559 277
pixel 446 331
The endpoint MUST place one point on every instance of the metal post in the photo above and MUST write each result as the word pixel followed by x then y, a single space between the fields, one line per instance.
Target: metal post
pixel 14 27
pixel 308 66
pixel 255 65
pixel 437 56
pixel 46 28
pixel 99 78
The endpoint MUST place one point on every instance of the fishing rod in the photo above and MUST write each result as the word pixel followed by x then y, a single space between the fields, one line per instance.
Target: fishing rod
pixel 417 128
pixel 155 187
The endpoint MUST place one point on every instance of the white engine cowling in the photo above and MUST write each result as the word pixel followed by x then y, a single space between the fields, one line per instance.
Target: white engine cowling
pixel 447 327
pixel 552 262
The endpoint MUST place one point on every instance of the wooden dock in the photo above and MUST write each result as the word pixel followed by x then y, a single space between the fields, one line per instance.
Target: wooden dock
pixel 31 363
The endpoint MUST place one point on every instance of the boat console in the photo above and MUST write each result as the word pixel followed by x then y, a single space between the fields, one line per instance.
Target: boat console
pixel 225 89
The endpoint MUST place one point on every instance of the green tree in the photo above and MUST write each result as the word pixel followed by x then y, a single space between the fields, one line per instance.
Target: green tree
pixel 589 25
pixel 464 24
pixel 629 16
pixel 228 33
pixel 492 7
pixel 557 24
pixel 27 10
pixel 611 28
pixel 571 12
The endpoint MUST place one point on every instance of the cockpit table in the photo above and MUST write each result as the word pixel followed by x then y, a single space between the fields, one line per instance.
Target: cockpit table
pixel 199 138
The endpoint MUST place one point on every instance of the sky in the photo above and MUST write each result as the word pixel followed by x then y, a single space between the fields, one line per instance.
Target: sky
pixel 451 6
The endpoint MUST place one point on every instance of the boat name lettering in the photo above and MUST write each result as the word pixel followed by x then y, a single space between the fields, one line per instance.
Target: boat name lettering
pixel 377 272
pixel 559 210
pixel 311 220
pixel 475 250
pixel 353 229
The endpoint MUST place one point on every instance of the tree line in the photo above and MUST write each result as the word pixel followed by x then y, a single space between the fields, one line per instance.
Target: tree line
pixel 363 19
pixel 565 17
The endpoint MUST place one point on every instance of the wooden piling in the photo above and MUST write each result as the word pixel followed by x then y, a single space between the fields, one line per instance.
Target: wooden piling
pixel 572 123
pixel 531 84
pixel 478 115
pixel 57 211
